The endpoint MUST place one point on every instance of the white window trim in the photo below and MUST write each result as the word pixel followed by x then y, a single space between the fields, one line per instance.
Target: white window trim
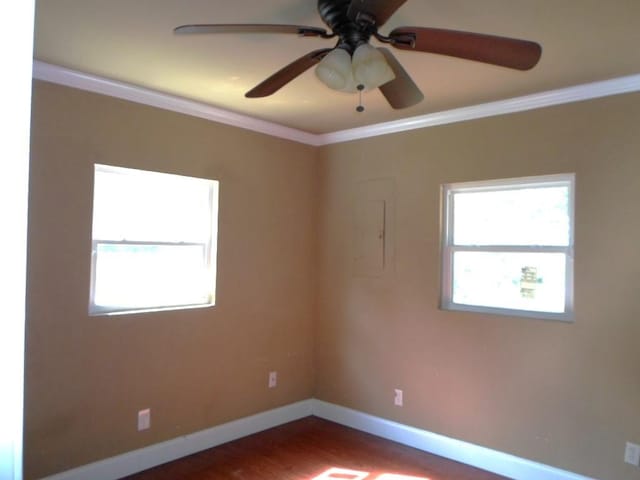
pixel 210 249
pixel 448 248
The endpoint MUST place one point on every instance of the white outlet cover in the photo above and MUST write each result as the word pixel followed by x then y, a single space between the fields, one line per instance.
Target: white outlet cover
pixel 632 454
pixel 397 400
pixel 144 419
pixel 273 379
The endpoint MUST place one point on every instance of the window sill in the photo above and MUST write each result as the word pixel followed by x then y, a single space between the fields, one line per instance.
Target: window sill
pixel 108 313
pixel 567 317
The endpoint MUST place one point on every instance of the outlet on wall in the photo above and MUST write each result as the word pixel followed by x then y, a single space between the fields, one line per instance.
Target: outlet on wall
pixel 273 379
pixel 397 399
pixel 632 454
pixel 144 419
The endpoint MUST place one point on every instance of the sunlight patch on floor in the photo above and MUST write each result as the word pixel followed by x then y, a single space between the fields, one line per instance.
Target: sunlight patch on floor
pixel 335 473
pixel 341 474
pixel 395 476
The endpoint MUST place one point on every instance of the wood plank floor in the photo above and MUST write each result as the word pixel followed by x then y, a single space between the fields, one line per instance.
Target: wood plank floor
pixel 313 449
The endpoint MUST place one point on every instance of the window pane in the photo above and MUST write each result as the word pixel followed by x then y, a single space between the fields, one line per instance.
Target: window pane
pixel 146 276
pixel 521 281
pixel 526 216
pixel 137 205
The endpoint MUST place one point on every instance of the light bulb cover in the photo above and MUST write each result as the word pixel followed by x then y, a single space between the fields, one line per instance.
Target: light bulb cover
pixel 350 85
pixel 370 68
pixel 335 69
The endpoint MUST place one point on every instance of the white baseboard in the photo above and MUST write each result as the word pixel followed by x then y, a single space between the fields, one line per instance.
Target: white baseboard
pixel 475 455
pixel 144 458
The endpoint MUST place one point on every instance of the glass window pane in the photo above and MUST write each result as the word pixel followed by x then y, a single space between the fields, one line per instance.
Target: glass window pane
pixel 520 281
pixel 137 205
pixel 147 276
pixel 525 216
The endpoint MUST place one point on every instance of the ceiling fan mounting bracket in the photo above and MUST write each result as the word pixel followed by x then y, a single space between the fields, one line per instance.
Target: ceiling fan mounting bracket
pixel 407 39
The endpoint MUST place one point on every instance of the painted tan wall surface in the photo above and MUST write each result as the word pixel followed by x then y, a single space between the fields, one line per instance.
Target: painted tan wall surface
pixel 564 394
pixel 561 394
pixel 86 377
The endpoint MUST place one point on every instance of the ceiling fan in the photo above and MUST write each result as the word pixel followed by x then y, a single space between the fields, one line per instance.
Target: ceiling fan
pixel 353 64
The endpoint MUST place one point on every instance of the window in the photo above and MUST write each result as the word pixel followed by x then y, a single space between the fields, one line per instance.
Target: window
pixel 153 242
pixel 508 246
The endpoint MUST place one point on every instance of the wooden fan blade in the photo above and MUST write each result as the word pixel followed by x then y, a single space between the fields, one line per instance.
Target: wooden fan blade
pixel 252 28
pixel 279 79
pixel 380 10
pixel 502 51
pixel 401 92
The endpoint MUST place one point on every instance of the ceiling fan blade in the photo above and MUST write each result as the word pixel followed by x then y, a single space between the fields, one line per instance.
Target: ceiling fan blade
pixel 502 51
pixel 302 30
pixel 283 76
pixel 380 10
pixel 401 92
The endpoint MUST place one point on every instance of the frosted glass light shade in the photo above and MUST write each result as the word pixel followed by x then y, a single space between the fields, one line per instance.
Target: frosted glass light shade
pixel 335 69
pixel 350 86
pixel 370 67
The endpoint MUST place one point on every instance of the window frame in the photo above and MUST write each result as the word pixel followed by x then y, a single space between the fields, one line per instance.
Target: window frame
pixel 448 248
pixel 209 249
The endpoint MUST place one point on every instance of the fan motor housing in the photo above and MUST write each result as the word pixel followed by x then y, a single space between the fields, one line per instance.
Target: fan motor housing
pixel 351 33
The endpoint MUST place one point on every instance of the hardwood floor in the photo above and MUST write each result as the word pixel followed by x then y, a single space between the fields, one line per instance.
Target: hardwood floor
pixel 313 449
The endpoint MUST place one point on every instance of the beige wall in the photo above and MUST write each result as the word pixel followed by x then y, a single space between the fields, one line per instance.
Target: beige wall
pixel 563 394
pixel 86 377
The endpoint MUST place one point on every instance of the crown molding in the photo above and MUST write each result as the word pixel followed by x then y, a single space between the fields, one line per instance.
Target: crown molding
pixel 126 91
pixel 84 81
pixel 588 91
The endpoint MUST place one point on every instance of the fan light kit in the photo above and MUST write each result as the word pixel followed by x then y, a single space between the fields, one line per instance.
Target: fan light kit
pixel 366 66
pixel 354 65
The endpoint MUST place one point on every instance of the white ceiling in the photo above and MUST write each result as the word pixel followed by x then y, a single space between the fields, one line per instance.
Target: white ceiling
pixel 132 41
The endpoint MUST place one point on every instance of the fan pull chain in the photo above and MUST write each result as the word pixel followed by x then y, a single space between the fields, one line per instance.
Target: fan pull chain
pixel 360 107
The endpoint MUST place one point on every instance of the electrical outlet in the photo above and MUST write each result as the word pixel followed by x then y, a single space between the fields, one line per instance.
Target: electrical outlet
pixel 397 400
pixel 632 454
pixel 144 419
pixel 273 379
